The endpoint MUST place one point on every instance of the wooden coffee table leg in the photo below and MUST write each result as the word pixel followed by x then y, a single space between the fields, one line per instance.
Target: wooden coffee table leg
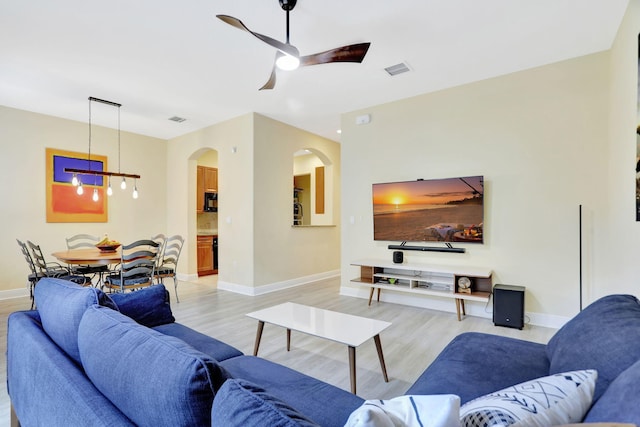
pixel 258 337
pixel 376 339
pixel 352 368
pixel 288 339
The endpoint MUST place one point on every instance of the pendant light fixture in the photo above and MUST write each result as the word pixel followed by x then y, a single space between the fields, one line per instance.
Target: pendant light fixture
pixel 76 180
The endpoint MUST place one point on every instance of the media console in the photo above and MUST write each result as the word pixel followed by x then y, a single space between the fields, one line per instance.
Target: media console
pixel 423 279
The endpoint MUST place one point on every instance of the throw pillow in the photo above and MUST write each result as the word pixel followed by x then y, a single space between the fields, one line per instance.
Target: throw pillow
pixel 420 411
pixel 242 403
pixel 154 379
pixel 557 399
pixel 147 306
pixel 61 304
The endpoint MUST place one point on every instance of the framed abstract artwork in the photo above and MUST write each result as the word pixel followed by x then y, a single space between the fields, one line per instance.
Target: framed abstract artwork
pixel 63 202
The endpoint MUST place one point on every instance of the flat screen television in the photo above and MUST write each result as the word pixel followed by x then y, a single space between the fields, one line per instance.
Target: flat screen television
pixel 429 210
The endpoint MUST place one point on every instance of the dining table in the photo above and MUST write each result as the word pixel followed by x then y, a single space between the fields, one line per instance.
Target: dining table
pixel 88 256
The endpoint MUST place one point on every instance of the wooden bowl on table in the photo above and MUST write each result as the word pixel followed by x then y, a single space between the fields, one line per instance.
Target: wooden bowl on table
pixel 109 247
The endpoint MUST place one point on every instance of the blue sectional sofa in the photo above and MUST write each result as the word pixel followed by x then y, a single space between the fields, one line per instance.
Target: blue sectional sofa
pixel 85 358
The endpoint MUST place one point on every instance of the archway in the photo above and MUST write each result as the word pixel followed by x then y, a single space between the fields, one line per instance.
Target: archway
pixel 313 186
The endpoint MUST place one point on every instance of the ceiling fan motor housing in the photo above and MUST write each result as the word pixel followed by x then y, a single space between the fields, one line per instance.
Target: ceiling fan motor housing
pixel 288 4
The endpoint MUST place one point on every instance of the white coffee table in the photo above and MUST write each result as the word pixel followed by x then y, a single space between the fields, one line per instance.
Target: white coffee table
pixel 340 327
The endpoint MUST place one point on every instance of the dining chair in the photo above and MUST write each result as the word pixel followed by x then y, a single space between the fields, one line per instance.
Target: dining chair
pixel 82 241
pixel 79 241
pixel 34 276
pixel 137 266
pixel 168 264
pixel 53 269
pixel 161 239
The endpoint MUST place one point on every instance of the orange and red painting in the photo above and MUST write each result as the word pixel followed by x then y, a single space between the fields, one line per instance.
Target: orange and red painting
pixel 63 202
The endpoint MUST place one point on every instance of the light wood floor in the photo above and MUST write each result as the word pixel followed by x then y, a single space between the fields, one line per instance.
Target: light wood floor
pixel 410 344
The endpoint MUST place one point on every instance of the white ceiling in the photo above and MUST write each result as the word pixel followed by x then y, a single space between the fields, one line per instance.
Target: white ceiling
pixel 163 58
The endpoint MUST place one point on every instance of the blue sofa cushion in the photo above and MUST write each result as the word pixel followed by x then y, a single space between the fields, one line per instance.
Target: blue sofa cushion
pixel 210 346
pixel 61 305
pixel 475 364
pixel 242 403
pixel 154 379
pixel 323 403
pixel 148 306
pixel 605 336
pixel 619 403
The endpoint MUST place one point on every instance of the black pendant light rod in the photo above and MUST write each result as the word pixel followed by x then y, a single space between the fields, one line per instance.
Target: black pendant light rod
pixel 103 101
pixel 91 172
pixel 102 173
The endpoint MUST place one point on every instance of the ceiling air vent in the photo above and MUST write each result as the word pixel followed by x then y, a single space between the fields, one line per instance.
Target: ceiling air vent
pixel 400 68
pixel 177 119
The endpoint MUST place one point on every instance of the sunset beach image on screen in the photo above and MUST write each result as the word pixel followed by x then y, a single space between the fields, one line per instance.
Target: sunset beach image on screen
pixel 430 210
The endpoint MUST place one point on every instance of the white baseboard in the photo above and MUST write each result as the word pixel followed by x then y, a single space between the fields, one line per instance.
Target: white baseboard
pixel 277 286
pixel 448 305
pixel 14 293
pixel 187 277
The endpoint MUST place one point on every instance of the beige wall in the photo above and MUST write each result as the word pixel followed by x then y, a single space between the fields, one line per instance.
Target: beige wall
pixel 235 186
pixel 284 253
pixel 539 137
pixel 24 137
pixel 258 249
pixel 617 265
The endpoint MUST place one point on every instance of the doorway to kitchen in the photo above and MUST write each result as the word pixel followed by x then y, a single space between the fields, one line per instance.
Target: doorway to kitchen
pixel 207 213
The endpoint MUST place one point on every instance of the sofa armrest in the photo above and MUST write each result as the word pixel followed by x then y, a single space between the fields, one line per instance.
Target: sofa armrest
pixel 46 386
pixel 474 364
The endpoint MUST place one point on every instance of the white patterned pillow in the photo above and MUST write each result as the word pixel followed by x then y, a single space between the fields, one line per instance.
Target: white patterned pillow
pixel 442 410
pixel 557 399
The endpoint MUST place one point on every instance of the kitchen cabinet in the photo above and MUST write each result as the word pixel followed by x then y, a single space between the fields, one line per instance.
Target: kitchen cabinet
pixel 200 190
pixel 205 255
pixel 210 180
pixel 206 181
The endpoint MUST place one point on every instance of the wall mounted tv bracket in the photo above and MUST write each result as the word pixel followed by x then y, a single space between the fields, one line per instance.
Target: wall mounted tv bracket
pixel 448 248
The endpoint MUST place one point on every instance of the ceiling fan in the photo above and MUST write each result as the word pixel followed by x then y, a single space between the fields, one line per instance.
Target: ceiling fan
pixel 288 57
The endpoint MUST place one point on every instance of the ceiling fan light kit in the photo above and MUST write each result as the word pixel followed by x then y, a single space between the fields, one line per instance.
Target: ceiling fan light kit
pixel 288 57
pixel 287 62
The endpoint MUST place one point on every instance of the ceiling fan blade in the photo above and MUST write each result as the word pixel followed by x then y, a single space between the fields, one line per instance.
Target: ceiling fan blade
pixel 351 53
pixel 271 83
pixel 283 47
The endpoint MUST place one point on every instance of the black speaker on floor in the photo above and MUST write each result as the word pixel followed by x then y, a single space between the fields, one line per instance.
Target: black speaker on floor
pixel 398 257
pixel 508 306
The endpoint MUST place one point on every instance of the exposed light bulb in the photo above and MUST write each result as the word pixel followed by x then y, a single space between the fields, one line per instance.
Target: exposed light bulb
pixel 95 195
pixel 80 190
pixel 109 189
pixel 123 184
pixel 287 62
pixel 135 190
pixel 74 180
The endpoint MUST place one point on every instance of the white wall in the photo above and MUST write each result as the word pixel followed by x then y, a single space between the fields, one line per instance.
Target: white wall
pixel 539 137
pixel 24 137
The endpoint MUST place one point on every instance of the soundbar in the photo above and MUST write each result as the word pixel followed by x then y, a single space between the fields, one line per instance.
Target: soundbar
pixel 428 248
